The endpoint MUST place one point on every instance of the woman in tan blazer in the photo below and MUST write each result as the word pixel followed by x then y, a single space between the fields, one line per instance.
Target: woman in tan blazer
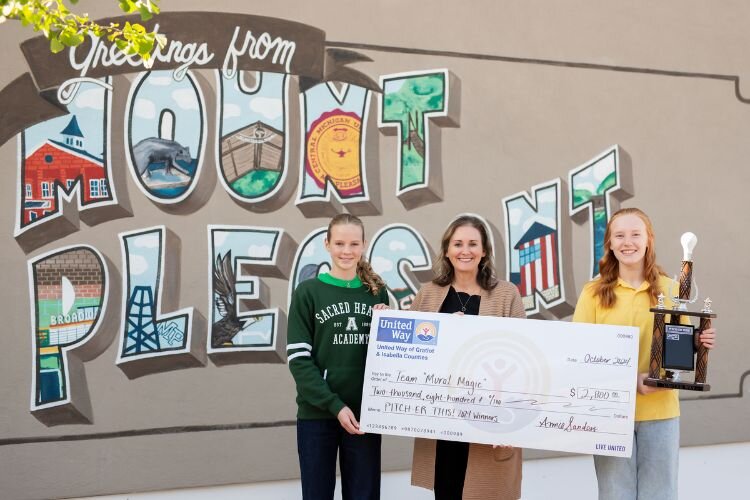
pixel 465 283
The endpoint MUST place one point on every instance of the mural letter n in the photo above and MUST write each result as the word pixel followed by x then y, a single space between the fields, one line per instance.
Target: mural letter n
pixel 533 251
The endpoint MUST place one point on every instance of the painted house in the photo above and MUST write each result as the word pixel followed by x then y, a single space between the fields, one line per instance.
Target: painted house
pixel 537 251
pixel 63 163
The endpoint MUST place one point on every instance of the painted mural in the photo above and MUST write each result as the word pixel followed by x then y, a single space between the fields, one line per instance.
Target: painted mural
pixel 593 185
pixel 311 259
pixel 166 134
pixel 69 295
pixel 148 332
pixel 253 147
pixel 242 318
pixel 67 158
pixel 411 105
pixel 533 245
pixel 333 155
pixel 395 252
pixel 245 324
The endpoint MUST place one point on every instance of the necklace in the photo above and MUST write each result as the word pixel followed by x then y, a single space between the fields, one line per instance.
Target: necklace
pixel 463 305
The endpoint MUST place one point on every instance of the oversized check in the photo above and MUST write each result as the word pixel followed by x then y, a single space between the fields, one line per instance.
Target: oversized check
pixel 550 385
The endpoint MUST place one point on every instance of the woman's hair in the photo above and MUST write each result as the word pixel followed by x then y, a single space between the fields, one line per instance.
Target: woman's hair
pixel 604 288
pixel 443 269
pixel 369 278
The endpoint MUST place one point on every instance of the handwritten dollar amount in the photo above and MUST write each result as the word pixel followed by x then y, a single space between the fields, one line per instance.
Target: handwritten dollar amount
pixel 597 394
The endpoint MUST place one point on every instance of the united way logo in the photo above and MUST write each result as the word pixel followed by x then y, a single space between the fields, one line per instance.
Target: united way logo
pixel 407 331
pixel 426 333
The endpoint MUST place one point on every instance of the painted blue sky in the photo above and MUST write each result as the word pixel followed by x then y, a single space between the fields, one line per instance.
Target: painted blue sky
pixel 88 107
pixel 143 251
pixel 393 245
pixel 160 91
pixel 314 252
pixel 320 99
pixel 590 178
pixel 392 86
pixel 243 243
pixel 239 109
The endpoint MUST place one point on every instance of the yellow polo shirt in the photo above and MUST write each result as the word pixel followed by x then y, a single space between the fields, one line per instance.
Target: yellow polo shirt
pixel 632 309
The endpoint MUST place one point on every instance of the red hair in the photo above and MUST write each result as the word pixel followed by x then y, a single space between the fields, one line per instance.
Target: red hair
pixel 609 267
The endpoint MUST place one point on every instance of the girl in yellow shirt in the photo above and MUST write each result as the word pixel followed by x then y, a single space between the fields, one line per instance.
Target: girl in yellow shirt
pixel 628 285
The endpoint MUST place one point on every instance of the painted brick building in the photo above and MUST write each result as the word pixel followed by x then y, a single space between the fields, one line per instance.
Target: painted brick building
pixel 61 164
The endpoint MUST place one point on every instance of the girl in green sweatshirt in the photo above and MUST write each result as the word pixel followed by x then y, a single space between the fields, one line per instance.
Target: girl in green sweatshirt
pixel 328 334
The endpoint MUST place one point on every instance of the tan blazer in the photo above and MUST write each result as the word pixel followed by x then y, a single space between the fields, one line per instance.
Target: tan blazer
pixel 490 473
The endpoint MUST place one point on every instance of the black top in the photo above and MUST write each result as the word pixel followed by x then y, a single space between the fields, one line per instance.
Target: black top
pixel 457 301
pixel 452 457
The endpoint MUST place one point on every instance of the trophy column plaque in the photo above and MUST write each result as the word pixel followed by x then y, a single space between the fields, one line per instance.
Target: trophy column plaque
pixel 674 345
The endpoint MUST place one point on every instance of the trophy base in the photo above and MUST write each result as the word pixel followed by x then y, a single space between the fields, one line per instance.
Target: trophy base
pixel 669 384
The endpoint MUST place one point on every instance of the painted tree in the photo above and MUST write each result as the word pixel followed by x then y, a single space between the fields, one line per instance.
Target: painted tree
pixel 64 28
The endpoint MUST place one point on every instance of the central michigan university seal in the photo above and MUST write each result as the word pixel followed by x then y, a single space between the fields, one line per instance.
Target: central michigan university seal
pixel 333 151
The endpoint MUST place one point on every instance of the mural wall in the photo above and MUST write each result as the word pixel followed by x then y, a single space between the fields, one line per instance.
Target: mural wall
pixel 151 338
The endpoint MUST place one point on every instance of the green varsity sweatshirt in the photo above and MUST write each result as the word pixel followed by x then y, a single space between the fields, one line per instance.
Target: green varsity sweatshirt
pixel 327 336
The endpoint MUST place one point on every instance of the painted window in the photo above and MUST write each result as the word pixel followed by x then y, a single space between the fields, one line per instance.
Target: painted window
pixel 28 191
pixel 45 190
pixel 94 188
pixel 530 254
pixel 68 183
pixel 103 188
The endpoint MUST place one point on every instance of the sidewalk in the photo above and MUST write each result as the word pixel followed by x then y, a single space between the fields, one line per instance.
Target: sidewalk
pixel 719 471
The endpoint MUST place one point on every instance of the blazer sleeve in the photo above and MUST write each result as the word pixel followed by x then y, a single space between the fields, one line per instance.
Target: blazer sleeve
pixel 416 304
pixel 516 305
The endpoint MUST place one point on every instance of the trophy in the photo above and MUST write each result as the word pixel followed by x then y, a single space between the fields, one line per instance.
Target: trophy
pixel 674 345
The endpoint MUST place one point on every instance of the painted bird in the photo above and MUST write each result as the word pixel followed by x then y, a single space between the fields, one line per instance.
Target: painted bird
pixel 224 330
